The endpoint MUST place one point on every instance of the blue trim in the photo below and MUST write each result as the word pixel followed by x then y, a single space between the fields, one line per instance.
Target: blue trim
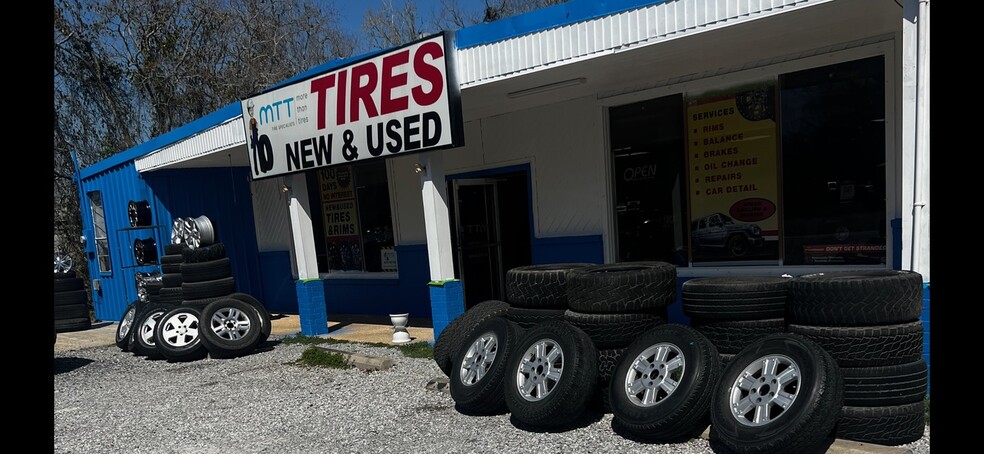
pixel 279 293
pixel 188 130
pixel 543 19
pixel 926 323
pixel 568 249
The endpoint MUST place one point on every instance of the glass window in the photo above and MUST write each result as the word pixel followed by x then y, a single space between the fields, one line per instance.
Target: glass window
pixel 647 161
pixel 833 153
pixel 99 229
pixel 787 170
pixel 353 217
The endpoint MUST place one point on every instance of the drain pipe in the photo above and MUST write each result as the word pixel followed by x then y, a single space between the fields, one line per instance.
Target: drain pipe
pixel 920 194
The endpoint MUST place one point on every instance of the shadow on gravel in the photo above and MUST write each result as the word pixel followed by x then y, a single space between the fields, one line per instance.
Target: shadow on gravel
pixel 720 448
pixel 585 420
pixel 622 431
pixel 69 364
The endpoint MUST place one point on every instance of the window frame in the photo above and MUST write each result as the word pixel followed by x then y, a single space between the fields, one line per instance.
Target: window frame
pixel 97 220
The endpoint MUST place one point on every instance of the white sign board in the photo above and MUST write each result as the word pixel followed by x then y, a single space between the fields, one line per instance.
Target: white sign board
pixel 405 100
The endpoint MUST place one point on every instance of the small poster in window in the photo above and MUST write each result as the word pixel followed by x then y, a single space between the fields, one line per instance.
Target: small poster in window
pixel 732 166
pixel 340 211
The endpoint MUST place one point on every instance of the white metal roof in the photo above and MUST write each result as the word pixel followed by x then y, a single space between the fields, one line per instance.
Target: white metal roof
pixel 224 136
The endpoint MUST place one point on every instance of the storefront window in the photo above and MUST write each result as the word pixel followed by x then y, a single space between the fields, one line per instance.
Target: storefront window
pixel 647 161
pixel 833 160
pixel 353 218
pixel 99 229
pixel 787 170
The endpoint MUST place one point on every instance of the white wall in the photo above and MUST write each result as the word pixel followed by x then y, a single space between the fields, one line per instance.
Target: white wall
pixel 562 143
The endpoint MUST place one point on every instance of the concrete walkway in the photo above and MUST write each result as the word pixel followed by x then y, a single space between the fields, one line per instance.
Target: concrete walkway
pixel 354 329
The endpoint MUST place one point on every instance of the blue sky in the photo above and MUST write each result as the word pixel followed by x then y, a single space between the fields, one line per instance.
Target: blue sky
pixel 353 11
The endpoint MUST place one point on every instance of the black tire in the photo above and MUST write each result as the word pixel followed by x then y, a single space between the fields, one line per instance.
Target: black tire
pixel 885 386
pixel 266 320
pixel 66 275
pixel 171 268
pixel 621 287
pixel 205 254
pixel 139 213
pixel 725 359
pixel 71 297
pixel 231 328
pixel 613 330
pixel 178 334
pixel 171 296
pixel 207 271
pixel 539 286
pixel 172 280
pixel 71 311
pixel 562 398
pixel 732 336
pixel 144 337
pixel 124 329
pixel 855 298
pixel 735 298
pixel 607 360
pixel 175 249
pixel 72 324
pixel 674 406
pixel 175 259
pixel 209 289
pixel 807 423
pixel 154 287
pixel 67 285
pixel 201 303
pixel 450 338
pixel 891 426
pixel 865 346
pixel 479 368
pixel 527 318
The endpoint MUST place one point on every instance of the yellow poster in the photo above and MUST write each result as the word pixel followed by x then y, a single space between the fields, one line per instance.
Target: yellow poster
pixel 336 183
pixel 340 212
pixel 733 174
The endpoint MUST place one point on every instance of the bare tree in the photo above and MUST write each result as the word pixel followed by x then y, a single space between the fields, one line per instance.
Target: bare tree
pixel 129 70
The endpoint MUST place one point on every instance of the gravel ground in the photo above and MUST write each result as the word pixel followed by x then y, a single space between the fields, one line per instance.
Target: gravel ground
pixel 108 401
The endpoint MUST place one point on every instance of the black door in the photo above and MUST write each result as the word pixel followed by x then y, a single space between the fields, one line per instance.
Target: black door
pixel 491 233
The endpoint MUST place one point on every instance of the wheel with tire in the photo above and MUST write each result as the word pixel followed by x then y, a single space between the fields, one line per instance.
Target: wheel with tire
pixel 178 334
pixel 124 330
pixel 479 368
pixel 145 251
pixel 622 287
pixel 551 375
pixel 539 286
pixel 266 322
pixel 144 339
pixel 662 386
pixel 781 394
pixel 464 325
pixel 231 328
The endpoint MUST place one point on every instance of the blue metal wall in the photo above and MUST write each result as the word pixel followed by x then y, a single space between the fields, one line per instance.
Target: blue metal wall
pixel 222 194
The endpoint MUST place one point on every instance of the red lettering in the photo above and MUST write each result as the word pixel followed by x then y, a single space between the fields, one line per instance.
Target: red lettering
pixel 362 94
pixel 388 104
pixel 428 72
pixel 340 102
pixel 320 87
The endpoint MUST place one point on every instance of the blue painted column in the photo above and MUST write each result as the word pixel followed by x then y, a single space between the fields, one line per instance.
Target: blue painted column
pixel 925 322
pixel 447 303
pixel 311 308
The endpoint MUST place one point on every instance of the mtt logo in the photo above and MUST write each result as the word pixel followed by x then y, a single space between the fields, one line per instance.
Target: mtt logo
pixel 271 112
pixel 260 146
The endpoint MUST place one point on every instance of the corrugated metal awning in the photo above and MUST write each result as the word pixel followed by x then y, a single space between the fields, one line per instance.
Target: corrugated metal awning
pixel 224 136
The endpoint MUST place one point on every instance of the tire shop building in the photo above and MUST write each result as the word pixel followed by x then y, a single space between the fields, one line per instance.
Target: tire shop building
pixel 727 137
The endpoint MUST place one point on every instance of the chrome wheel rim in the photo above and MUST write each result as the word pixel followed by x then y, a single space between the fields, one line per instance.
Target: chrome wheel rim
pixel 147 328
pixel 179 330
pixel 540 370
pixel 126 323
pixel 177 231
pixel 478 359
pixel 765 390
pixel 230 323
pixel 655 374
pixel 63 263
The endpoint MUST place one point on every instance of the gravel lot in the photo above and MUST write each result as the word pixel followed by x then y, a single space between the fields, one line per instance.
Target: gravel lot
pixel 108 401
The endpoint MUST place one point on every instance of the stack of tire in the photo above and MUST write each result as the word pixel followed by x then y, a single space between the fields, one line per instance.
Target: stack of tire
pixel 733 312
pixel 868 321
pixel 614 304
pixel 71 303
